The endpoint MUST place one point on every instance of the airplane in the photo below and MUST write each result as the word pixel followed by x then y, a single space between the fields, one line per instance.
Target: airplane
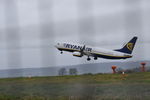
pixel 79 50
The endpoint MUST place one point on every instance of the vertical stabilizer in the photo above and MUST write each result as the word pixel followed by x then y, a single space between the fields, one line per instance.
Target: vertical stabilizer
pixel 128 48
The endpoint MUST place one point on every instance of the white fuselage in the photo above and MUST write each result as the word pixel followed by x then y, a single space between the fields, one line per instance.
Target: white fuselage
pixel 92 51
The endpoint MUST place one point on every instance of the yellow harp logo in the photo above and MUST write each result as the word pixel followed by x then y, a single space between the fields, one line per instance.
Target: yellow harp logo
pixel 130 46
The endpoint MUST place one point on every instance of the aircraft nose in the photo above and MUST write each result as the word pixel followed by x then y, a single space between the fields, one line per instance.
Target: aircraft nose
pixel 57 45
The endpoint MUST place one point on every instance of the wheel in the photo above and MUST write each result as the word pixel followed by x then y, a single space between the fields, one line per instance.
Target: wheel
pixel 88 59
pixel 95 58
pixel 61 52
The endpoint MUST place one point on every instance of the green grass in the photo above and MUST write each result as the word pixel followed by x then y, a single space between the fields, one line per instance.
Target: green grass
pixel 84 87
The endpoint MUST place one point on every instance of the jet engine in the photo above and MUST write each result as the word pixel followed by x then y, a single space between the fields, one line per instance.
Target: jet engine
pixel 77 54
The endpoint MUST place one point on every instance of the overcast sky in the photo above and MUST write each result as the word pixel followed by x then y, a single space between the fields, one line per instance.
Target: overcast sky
pixel 29 29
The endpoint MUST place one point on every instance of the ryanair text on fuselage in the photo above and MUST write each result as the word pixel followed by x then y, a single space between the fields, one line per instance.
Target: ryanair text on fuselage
pixel 77 47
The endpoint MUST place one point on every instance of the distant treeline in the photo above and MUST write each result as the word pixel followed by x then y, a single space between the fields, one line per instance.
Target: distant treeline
pixel 74 71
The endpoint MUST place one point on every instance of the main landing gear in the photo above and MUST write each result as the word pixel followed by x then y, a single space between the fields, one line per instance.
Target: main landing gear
pixel 61 52
pixel 95 58
pixel 88 59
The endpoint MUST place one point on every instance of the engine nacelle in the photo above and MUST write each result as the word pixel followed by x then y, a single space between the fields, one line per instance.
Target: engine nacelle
pixel 77 54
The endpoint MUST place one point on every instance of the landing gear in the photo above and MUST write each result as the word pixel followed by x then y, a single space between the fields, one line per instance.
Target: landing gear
pixel 95 58
pixel 61 52
pixel 88 59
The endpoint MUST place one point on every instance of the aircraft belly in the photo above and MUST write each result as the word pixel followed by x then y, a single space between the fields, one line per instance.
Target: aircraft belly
pixel 110 56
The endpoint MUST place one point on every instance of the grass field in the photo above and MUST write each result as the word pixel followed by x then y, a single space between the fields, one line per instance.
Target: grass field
pixel 85 87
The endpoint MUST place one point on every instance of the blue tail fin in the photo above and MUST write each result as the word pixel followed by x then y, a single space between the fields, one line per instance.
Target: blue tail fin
pixel 128 48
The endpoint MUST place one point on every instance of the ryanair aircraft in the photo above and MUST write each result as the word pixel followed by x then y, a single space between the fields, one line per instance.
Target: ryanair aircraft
pixel 89 51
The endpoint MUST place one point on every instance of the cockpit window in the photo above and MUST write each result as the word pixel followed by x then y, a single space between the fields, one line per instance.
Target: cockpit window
pixel 58 44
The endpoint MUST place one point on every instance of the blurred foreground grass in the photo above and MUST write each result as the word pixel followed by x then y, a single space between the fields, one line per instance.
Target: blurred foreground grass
pixel 134 86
